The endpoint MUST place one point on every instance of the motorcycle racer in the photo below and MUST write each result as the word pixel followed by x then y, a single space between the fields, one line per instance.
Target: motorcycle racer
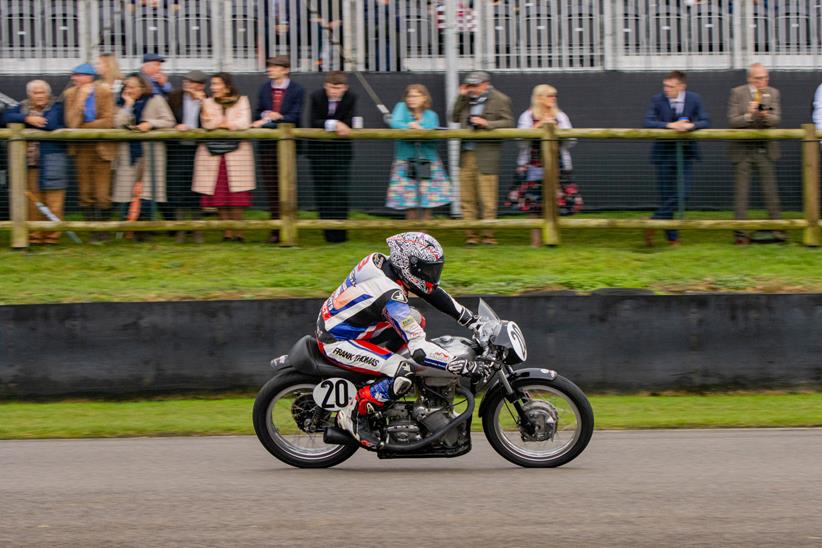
pixel 367 320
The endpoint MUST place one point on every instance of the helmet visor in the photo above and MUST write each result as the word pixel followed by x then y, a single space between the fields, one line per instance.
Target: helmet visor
pixel 428 271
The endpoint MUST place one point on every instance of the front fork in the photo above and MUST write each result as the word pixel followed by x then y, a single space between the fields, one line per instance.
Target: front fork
pixel 515 397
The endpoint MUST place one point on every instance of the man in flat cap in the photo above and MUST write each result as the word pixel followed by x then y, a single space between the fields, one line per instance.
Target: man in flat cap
pixel 152 70
pixel 480 106
pixel 185 104
pixel 89 104
pixel 280 101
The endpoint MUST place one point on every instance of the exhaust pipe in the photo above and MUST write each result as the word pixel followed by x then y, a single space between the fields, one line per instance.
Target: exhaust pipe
pixel 336 436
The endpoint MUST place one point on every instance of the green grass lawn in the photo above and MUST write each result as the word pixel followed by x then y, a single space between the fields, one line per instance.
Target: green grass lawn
pixel 586 260
pixel 232 415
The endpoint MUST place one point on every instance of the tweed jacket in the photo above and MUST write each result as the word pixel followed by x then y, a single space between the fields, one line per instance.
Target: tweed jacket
pixel 738 107
pixel 498 113
pixel 104 103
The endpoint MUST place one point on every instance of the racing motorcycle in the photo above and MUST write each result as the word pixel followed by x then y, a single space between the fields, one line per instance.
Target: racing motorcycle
pixel 531 416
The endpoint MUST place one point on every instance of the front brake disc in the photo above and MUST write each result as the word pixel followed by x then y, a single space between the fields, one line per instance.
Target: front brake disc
pixel 543 417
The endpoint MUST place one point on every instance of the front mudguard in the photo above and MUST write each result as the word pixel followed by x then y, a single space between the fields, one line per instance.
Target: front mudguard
pixel 530 372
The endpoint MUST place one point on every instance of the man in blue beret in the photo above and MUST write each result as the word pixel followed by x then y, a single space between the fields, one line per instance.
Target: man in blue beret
pixel 89 104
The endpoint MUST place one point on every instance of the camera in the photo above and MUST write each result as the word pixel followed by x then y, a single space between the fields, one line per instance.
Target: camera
pixel 763 108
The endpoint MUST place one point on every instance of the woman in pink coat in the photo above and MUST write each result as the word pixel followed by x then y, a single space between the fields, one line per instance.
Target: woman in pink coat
pixel 224 170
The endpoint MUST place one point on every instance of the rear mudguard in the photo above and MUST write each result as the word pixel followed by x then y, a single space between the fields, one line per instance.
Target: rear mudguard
pixel 531 372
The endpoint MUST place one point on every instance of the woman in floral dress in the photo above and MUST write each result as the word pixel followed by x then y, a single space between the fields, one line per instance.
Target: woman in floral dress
pixel 419 181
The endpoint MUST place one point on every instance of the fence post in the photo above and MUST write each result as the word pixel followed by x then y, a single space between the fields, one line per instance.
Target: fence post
pixel 810 184
pixel 17 188
pixel 550 184
pixel 287 165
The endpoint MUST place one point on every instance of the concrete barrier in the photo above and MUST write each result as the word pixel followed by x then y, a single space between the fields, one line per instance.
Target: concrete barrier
pixel 619 342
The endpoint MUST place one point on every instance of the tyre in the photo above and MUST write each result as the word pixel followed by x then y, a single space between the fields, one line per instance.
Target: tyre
pixel 290 425
pixel 560 409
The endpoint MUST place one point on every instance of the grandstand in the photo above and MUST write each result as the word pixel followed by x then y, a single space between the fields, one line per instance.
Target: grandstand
pixel 48 36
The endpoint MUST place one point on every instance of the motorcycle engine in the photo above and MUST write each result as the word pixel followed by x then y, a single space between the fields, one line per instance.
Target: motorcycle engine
pixel 403 432
pixel 434 419
pixel 401 427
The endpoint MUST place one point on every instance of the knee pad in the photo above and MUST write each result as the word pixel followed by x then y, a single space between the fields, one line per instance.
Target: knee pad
pixel 417 315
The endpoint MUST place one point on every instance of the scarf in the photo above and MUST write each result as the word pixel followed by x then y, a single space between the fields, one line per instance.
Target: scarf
pixel 33 147
pixel 227 102
pixel 135 148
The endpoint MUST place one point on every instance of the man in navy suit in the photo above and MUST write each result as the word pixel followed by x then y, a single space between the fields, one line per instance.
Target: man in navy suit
pixel 280 101
pixel 680 110
pixel 332 108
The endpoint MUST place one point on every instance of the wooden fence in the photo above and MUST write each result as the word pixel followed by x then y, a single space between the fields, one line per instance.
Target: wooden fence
pixel 289 224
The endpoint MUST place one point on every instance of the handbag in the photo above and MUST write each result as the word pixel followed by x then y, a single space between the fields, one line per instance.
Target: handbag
pixel 419 168
pixel 218 148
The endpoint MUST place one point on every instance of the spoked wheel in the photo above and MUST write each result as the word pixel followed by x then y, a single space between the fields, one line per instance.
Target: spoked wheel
pixel 290 425
pixel 562 417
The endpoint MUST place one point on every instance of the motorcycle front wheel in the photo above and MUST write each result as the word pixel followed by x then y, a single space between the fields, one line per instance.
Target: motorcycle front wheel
pixel 290 425
pixel 558 407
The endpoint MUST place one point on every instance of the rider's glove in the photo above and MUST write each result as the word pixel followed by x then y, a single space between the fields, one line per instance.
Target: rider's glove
pixel 468 368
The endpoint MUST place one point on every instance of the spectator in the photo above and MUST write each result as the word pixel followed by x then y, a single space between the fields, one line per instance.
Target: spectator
pixel 332 108
pixel 419 181
pixel 680 110
pixel 141 110
pixel 528 195
pixel 108 69
pixel 224 170
pixel 754 105
pixel 90 105
pixel 152 70
pixel 480 106
pixel 185 105
pixel 817 108
pixel 279 101
pixel 47 161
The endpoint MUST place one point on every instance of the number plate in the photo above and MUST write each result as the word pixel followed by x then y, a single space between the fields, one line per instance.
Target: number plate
pixel 334 394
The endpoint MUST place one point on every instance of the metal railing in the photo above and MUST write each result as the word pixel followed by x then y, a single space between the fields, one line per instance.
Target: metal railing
pixel 48 36
pixel 289 224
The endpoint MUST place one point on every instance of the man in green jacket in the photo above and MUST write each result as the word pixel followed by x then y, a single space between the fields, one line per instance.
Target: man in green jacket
pixel 480 106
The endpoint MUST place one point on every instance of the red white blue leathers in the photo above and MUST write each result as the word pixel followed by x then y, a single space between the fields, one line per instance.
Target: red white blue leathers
pixel 368 318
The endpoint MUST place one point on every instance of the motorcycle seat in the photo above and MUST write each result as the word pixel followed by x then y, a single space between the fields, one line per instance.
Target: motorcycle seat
pixel 305 357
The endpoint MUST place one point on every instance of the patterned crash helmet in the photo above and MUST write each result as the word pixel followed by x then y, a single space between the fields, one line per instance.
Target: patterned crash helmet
pixel 418 259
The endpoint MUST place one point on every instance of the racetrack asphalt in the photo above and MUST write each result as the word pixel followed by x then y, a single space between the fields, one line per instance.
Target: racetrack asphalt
pixel 757 487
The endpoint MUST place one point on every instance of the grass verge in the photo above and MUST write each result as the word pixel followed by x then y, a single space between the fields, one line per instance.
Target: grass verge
pixel 587 260
pixel 232 415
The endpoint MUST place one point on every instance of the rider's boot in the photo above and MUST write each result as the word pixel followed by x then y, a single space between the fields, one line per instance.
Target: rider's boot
pixel 369 399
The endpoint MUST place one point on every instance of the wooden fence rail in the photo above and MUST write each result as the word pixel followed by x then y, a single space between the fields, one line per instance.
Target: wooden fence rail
pixel 289 225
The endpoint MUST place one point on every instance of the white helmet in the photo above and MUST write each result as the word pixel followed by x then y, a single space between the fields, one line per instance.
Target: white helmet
pixel 418 259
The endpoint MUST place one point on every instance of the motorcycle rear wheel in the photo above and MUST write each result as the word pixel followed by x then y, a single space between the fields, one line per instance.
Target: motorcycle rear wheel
pixel 279 408
pixel 574 423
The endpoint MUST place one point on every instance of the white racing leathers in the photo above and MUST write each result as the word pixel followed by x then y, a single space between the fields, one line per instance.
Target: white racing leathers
pixel 368 318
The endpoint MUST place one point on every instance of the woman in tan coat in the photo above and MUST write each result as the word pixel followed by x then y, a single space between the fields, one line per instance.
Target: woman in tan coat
pixel 224 170
pixel 138 109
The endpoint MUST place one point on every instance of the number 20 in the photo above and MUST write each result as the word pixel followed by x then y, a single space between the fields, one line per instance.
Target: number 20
pixel 340 391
